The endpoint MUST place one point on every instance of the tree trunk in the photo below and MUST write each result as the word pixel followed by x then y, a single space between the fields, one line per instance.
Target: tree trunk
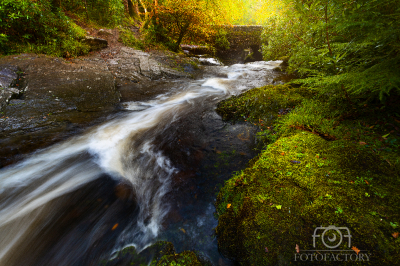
pixel 137 9
pixel 86 9
pixel 146 13
pixel 130 9
pixel 181 35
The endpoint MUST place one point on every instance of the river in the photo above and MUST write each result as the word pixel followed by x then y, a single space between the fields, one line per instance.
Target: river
pixel 150 173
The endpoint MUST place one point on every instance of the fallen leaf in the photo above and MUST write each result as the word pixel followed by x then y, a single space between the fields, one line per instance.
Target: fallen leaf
pixel 395 234
pixel 297 248
pixel 362 143
pixel 183 230
pixel 317 156
pixel 355 249
pixel 366 182
pixel 228 206
pixel 266 249
pixel 282 153
pixel 114 227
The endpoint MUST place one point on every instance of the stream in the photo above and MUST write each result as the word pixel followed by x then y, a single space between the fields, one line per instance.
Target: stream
pixel 150 173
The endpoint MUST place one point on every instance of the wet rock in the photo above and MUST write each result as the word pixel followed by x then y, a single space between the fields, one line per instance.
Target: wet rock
pixel 160 253
pixel 9 76
pixel 58 95
pixel 95 43
pixel 103 32
pixel 147 66
pixel 196 49
pixel 63 97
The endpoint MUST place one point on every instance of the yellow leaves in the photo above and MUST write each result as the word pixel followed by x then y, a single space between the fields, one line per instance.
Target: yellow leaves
pixel 228 205
pixel 183 230
pixel 355 249
pixel 114 227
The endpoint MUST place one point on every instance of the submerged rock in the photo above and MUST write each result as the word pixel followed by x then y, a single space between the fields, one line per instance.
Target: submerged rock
pixel 276 206
pixel 161 253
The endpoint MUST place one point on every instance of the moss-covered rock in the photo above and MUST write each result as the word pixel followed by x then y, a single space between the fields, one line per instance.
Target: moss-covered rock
pixel 188 258
pixel 302 182
pixel 262 105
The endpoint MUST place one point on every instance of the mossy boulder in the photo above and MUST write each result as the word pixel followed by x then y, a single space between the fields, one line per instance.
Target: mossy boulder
pixel 188 258
pixel 302 182
pixel 262 104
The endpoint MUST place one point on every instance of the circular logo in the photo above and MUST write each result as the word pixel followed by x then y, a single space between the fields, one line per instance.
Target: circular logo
pixel 333 235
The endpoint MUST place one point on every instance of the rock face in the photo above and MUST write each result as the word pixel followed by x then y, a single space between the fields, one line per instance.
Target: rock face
pixel 9 86
pixel 95 43
pixel 45 99
pixel 57 97
pixel 103 32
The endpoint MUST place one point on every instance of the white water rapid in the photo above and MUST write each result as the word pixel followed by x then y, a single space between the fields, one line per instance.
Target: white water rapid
pixel 34 192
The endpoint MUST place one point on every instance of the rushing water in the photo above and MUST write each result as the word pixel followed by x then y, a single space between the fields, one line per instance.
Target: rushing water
pixel 142 176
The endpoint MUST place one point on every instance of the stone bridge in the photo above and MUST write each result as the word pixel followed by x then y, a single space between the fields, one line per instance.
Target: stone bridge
pixel 244 44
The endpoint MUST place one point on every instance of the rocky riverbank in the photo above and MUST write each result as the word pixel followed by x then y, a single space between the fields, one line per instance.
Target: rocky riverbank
pixel 46 99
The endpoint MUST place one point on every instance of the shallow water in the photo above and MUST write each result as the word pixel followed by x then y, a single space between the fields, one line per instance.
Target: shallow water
pixel 150 173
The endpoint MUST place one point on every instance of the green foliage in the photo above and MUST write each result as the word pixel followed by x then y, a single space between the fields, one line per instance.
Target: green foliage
pixel 340 46
pixel 28 26
pixel 157 34
pixel 221 40
pixel 278 42
pixel 127 37
pixel 107 13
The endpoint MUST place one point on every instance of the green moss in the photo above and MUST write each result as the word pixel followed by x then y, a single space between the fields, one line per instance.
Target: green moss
pixel 187 258
pixel 299 183
pixel 261 104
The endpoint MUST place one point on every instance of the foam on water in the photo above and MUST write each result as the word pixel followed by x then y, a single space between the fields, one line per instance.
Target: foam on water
pixel 123 148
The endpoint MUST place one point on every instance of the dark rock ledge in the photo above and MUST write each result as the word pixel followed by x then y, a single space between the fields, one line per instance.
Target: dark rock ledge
pixel 45 99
